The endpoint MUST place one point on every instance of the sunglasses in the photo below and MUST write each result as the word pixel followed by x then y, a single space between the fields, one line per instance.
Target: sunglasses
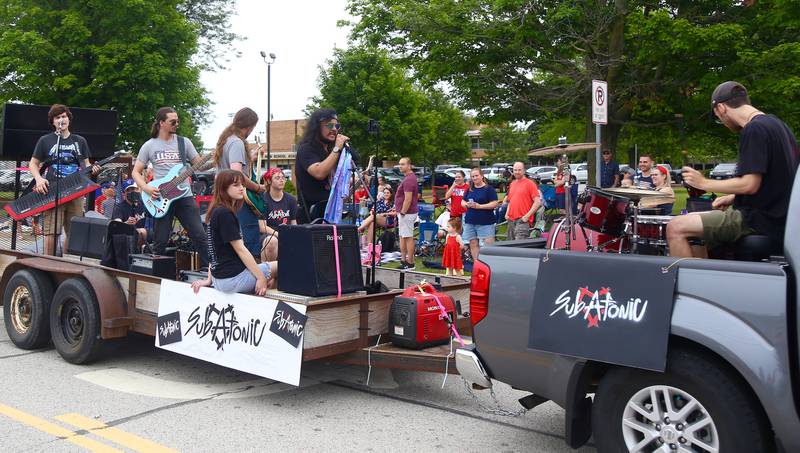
pixel 173 122
pixel 332 126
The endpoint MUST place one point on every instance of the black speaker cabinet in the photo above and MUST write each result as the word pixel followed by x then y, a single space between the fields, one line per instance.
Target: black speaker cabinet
pixel 88 236
pixel 306 263
pixel 23 124
pixel 155 265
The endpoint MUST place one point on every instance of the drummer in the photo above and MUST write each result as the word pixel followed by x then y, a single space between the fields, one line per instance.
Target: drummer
pixel 663 183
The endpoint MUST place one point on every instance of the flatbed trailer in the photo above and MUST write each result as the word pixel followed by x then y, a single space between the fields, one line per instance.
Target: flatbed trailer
pixel 99 303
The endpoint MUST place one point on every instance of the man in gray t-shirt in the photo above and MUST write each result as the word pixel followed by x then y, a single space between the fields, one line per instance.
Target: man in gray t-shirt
pixel 162 151
pixel 164 155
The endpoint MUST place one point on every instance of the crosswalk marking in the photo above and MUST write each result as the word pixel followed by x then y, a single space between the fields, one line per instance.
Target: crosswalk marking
pixel 55 430
pixel 118 436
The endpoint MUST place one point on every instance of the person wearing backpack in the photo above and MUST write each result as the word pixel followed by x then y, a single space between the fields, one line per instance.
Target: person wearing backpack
pixel 164 150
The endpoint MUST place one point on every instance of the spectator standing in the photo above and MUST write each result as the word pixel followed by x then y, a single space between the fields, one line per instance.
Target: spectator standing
pixel 609 170
pixel 523 201
pixel 479 220
pixel 405 203
pixel 456 193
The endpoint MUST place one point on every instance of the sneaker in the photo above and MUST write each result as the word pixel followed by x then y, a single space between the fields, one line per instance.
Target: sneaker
pixel 403 265
pixel 410 265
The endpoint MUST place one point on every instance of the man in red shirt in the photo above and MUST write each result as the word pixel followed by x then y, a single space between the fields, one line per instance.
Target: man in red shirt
pixel 523 201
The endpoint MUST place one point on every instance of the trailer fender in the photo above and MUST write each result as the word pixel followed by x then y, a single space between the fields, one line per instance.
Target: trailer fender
pixel 110 296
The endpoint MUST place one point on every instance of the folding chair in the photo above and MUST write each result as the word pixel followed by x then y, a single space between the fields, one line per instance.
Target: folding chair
pixel 428 242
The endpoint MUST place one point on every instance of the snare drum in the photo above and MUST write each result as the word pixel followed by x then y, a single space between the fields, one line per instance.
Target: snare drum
pixel 604 212
pixel 652 229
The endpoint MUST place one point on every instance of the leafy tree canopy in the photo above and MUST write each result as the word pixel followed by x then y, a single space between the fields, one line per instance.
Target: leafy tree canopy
pixel 363 84
pixel 127 55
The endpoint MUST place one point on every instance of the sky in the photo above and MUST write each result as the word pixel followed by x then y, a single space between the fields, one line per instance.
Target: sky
pixel 302 34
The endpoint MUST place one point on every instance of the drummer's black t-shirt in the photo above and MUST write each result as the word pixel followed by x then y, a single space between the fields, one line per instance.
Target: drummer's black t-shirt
pixel 313 190
pixel 767 147
pixel 222 229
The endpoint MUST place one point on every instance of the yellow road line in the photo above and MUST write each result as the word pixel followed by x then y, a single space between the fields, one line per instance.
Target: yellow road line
pixel 119 436
pixel 55 430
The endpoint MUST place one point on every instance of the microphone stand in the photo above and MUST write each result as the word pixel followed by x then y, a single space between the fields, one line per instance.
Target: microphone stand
pixel 57 169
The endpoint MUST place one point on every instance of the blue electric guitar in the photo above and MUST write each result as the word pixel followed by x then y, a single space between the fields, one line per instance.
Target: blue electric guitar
pixel 169 187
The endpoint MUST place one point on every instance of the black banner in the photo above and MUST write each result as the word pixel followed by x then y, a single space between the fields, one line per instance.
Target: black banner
pixel 609 308
pixel 168 328
pixel 288 323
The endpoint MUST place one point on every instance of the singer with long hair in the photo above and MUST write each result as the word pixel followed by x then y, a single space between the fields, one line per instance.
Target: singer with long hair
pixel 315 164
pixel 63 153
pixel 232 268
pixel 231 153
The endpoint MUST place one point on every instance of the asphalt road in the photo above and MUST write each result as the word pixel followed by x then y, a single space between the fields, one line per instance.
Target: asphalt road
pixel 139 398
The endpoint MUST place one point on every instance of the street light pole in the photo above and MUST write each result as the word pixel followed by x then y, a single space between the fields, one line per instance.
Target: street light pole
pixel 269 101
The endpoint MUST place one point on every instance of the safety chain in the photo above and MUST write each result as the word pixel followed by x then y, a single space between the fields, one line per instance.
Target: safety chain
pixel 497 409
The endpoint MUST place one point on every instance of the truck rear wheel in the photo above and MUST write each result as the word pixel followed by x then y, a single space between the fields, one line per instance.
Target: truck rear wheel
pixel 75 321
pixel 26 308
pixel 695 406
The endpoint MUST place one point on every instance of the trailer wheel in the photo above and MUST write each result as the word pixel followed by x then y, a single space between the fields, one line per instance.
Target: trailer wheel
pixel 696 405
pixel 75 321
pixel 26 308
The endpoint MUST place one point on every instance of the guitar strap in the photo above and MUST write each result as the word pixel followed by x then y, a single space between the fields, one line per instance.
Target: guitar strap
pixel 181 149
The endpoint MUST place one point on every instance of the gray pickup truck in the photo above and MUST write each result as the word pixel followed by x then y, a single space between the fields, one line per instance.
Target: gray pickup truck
pixel 731 381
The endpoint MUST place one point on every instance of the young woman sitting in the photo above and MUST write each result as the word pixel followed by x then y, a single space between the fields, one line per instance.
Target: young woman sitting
pixel 232 267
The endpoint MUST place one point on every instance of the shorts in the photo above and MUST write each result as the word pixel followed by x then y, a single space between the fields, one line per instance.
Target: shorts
pixel 723 227
pixel 244 282
pixel 517 229
pixel 472 231
pixel 64 214
pixel 405 225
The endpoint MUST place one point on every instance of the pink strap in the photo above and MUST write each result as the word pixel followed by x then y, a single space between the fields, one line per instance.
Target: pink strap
pixel 336 256
pixel 443 315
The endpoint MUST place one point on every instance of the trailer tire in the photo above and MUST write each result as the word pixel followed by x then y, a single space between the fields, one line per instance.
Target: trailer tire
pixel 26 308
pixel 718 409
pixel 75 321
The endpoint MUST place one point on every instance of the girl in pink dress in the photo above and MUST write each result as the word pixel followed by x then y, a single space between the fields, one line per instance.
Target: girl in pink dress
pixel 451 258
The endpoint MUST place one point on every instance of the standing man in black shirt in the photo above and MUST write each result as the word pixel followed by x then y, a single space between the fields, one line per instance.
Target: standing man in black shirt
pixel 759 195
pixel 63 154
pixel 609 170
pixel 315 164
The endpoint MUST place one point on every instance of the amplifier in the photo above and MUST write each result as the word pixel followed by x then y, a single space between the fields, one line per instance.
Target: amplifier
pixel 155 265
pixel 88 236
pixel 192 276
pixel 307 264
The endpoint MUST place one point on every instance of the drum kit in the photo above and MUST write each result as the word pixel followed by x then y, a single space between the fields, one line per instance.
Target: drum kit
pixel 609 220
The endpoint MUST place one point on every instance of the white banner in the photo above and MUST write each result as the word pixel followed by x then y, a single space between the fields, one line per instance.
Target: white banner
pixel 253 334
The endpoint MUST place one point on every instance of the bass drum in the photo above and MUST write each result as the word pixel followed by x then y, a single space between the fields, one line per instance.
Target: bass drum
pixel 583 240
pixel 604 212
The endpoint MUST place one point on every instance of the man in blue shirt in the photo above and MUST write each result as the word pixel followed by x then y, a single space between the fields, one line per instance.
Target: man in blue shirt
pixel 609 170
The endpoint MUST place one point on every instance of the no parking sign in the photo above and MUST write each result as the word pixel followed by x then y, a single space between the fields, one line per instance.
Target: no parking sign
pixel 599 102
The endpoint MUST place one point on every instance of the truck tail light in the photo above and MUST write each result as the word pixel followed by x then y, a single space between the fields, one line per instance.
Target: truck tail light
pixel 479 292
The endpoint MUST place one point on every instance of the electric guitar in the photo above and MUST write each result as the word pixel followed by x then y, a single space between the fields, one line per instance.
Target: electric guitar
pixel 168 187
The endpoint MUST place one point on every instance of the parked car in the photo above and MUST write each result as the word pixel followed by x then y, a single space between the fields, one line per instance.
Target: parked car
pixel 495 176
pixel 287 172
pixel 452 172
pixel 541 173
pixel 392 177
pixel 443 167
pixel 441 178
pixel 723 171
pixel 580 171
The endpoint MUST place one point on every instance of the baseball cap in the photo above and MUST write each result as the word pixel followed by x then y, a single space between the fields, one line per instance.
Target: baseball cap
pixel 128 183
pixel 725 92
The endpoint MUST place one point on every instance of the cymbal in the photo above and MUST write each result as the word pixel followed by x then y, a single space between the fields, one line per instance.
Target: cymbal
pixel 562 149
pixel 634 193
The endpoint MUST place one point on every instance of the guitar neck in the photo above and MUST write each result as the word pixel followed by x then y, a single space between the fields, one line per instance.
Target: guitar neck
pixel 186 172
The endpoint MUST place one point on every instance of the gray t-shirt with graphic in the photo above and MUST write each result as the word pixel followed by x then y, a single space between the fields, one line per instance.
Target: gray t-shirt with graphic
pixel 233 151
pixel 164 155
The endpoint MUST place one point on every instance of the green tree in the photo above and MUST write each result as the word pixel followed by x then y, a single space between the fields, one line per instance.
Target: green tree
pixel 534 60
pixel 505 143
pixel 363 84
pixel 126 55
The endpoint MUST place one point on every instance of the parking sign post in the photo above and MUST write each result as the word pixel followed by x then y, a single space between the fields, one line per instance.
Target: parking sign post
pixel 599 116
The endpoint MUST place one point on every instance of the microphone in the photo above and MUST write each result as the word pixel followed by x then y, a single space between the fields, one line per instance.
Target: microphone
pixel 353 153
